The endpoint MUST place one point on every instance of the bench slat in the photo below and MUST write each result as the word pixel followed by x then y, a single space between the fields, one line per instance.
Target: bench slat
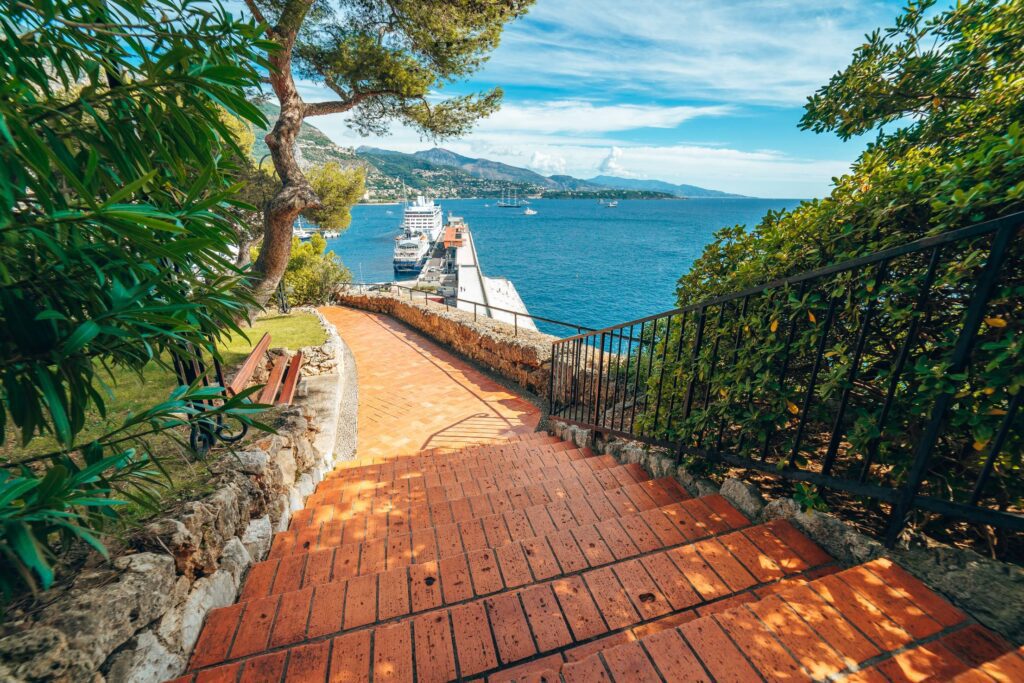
pixel 252 361
pixel 291 380
pixel 273 381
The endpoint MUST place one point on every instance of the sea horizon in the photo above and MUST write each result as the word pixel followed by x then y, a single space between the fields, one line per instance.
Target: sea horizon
pixel 567 260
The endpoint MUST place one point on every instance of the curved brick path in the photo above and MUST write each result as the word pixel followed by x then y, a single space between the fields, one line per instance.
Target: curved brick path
pixel 462 545
pixel 415 395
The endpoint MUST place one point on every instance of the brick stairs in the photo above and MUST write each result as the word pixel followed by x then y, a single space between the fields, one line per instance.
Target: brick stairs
pixel 534 560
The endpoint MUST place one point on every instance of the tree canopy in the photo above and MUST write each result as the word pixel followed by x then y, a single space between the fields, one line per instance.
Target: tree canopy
pixel 338 189
pixel 384 61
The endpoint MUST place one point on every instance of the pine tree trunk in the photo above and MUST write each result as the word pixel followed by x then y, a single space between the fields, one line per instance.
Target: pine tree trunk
pixel 295 194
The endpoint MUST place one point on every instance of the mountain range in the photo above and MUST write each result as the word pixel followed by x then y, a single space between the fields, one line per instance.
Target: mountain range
pixel 443 173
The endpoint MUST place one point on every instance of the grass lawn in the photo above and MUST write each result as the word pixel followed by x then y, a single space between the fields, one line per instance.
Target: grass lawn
pixel 291 331
pixel 130 393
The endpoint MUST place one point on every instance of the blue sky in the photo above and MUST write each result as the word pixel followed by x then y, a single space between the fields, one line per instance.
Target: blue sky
pixel 691 91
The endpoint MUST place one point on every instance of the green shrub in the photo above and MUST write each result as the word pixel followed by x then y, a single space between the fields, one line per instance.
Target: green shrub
pixel 313 273
pixel 115 247
pixel 952 83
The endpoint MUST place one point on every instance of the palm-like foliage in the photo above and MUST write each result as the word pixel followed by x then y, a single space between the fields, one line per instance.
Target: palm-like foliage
pixel 115 236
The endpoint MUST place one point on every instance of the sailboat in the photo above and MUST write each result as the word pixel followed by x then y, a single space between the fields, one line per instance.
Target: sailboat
pixel 509 200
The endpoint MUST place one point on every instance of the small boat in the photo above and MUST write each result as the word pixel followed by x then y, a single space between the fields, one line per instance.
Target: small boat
pixel 330 234
pixel 612 204
pixel 529 212
pixel 301 230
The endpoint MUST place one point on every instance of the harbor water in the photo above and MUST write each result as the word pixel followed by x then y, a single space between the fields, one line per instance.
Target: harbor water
pixel 574 260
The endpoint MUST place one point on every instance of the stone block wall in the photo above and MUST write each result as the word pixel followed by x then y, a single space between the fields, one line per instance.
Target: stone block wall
pixel 523 357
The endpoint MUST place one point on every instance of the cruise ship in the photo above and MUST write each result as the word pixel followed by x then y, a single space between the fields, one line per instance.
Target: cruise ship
pixel 422 224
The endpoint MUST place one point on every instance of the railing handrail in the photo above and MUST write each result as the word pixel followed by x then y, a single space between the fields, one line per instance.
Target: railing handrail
pixel 843 266
pixel 617 380
pixel 579 328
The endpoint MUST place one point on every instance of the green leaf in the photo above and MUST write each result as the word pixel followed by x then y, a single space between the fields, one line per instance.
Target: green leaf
pixel 28 550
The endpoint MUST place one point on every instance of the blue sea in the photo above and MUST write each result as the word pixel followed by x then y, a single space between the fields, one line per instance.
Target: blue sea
pixel 576 260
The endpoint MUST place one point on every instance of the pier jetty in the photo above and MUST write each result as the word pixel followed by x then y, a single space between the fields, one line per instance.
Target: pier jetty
pixel 456 272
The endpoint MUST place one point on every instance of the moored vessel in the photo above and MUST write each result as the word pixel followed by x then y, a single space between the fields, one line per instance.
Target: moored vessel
pixel 422 223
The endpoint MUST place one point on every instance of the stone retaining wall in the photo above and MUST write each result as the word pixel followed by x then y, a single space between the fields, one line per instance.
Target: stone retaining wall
pixel 523 357
pixel 137 618
pixel 990 591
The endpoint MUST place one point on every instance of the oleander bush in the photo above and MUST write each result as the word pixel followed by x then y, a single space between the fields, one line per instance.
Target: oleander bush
pixel 116 249
pixel 949 89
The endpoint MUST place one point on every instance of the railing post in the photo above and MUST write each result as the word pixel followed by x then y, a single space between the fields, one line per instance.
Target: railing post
pixel 844 397
pixel 577 358
pixel 515 323
pixel 693 369
pixel 551 383
pixel 600 380
pixel 961 355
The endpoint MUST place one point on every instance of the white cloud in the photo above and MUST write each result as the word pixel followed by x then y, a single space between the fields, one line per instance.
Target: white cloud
pixel 740 51
pixel 610 164
pixel 580 116
pixel 764 173
pixel 547 164
pixel 667 89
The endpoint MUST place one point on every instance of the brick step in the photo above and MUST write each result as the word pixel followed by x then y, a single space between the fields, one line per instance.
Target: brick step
pixel 460 468
pixel 530 511
pixel 1009 667
pixel 478 635
pixel 540 439
pixel 971 653
pixel 424 486
pixel 401 546
pixel 510 456
pixel 855 620
pixel 476 498
pixel 599 538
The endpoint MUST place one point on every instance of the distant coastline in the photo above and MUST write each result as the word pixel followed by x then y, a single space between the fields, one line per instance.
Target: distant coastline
pixel 590 197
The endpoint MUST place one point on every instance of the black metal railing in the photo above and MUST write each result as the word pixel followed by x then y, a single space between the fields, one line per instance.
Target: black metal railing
pixel 895 377
pixel 427 297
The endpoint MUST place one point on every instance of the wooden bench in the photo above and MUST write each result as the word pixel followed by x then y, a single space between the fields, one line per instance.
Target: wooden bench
pixel 282 382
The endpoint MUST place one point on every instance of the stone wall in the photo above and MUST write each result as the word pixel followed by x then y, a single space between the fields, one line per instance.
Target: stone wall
pixel 990 591
pixel 524 357
pixel 137 617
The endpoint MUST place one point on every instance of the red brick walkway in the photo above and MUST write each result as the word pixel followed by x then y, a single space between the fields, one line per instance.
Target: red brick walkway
pixel 414 395
pixel 461 545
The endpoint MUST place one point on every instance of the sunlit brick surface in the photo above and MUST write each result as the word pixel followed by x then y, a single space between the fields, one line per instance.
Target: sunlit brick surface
pixel 414 395
pixel 461 544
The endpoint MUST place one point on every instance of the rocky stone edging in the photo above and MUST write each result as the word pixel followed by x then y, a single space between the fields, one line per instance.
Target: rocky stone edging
pixel 523 357
pixel 990 591
pixel 318 360
pixel 138 619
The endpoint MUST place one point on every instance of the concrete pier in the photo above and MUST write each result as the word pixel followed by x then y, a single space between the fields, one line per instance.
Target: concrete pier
pixel 490 293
